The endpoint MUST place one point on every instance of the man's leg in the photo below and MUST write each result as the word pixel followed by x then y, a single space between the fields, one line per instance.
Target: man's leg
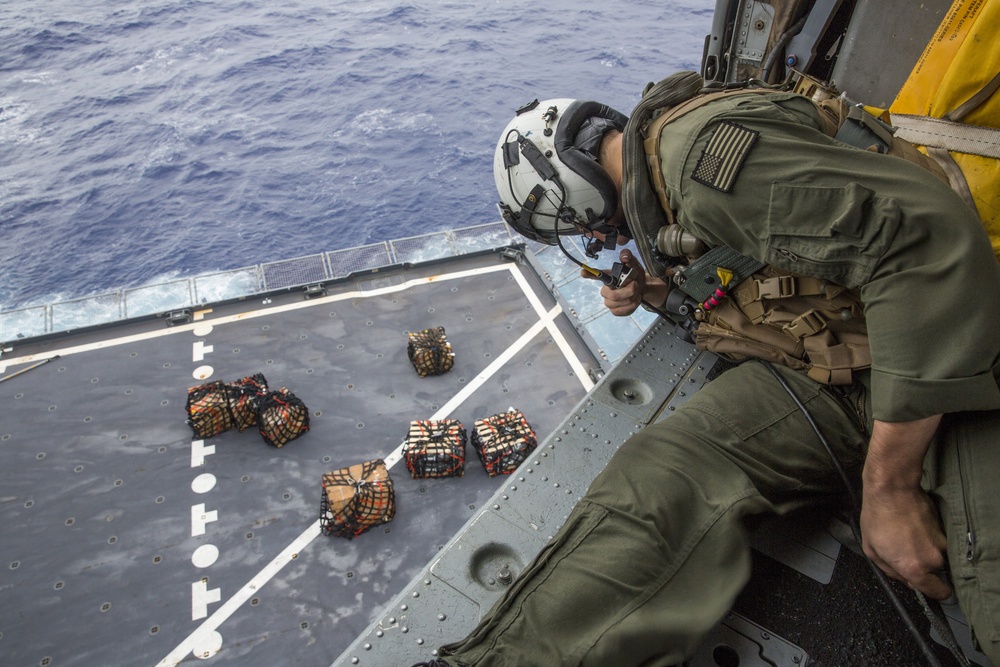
pixel 963 475
pixel 656 552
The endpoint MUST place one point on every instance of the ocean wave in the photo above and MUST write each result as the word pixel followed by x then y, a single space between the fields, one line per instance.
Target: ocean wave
pixel 15 122
pixel 139 141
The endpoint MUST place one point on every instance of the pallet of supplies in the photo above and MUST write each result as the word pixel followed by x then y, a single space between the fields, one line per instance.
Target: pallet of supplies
pixel 244 400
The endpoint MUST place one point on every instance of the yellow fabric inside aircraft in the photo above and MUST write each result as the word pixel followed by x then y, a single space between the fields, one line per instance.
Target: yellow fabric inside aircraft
pixel 959 61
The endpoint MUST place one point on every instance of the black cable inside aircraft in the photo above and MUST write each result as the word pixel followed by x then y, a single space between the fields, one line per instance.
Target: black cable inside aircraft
pixel 880 576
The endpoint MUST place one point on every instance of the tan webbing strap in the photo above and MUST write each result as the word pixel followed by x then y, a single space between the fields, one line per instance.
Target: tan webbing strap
pixel 948 134
pixel 779 287
pixel 956 178
pixel 807 324
pixel 786 286
pixel 985 93
pixel 832 362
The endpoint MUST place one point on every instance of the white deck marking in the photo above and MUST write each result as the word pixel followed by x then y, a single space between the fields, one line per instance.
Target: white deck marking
pixel 201 597
pixel 199 518
pixel 212 644
pixel 199 450
pixel 205 556
pixel 199 350
pixel 203 483
pixel 209 628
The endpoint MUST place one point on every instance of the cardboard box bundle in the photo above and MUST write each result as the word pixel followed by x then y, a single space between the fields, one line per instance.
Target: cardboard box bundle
pixel 430 352
pixel 208 410
pixel 435 448
pixel 244 400
pixel 282 417
pixel 216 407
pixel 356 499
pixel 503 441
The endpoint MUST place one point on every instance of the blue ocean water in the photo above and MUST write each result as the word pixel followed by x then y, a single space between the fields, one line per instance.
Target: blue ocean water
pixel 142 141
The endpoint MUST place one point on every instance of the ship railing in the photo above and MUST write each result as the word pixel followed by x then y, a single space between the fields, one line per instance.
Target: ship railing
pixel 612 336
pixel 176 295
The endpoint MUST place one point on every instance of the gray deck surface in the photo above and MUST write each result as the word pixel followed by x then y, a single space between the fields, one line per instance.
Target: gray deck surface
pixel 124 541
pixel 104 489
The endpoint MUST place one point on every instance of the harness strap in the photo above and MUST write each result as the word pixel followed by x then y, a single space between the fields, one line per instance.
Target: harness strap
pixel 807 324
pixel 864 130
pixel 948 134
pixel 956 178
pixel 786 286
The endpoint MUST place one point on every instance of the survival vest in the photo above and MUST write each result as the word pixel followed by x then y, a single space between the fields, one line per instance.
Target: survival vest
pixel 756 310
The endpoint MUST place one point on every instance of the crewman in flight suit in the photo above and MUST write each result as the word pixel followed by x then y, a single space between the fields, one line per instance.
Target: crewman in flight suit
pixel 656 552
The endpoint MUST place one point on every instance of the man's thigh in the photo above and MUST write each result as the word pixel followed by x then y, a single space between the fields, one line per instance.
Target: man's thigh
pixel 741 433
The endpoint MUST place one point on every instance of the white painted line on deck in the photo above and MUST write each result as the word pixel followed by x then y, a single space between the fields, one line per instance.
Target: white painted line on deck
pixel 209 628
pixel 262 312
pixel 498 363
pixel 212 624
pixel 560 340
pixel 202 328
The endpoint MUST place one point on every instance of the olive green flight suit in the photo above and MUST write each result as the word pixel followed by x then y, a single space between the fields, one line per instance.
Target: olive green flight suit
pixel 656 552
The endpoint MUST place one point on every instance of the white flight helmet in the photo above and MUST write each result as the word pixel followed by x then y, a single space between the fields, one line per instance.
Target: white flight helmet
pixel 546 169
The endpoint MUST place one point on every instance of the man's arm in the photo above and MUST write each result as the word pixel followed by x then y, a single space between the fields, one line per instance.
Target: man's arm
pixel 900 528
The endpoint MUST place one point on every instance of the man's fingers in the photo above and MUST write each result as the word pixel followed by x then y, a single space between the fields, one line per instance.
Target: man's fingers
pixel 879 563
pixel 932 586
pixel 930 583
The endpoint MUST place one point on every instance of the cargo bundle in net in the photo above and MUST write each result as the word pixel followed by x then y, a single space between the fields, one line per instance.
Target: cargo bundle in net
pixel 356 499
pixel 282 417
pixel 217 407
pixel 435 448
pixel 503 441
pixel 208 410
pixel 244 400
pixel 430 352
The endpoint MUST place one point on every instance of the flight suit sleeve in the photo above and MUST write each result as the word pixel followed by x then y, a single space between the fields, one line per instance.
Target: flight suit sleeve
pixel 811 205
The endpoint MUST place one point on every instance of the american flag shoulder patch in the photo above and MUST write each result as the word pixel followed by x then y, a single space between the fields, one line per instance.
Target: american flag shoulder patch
pixel 721 161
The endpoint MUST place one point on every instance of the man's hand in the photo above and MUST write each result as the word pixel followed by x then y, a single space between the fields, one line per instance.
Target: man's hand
pixel 900 529
pixel 639 285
